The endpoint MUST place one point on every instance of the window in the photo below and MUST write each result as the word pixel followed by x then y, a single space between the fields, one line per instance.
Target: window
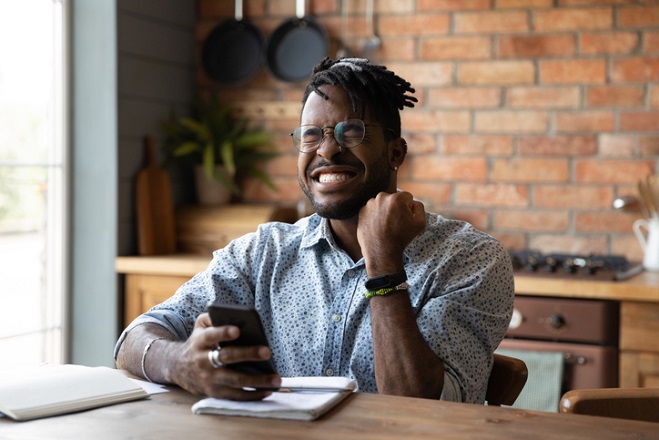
pixel 33 181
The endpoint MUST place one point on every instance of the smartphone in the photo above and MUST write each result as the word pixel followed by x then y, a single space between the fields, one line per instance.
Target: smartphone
pixel 247 319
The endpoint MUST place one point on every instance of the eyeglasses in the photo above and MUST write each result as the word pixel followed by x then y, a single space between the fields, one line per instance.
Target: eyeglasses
pixel 348 133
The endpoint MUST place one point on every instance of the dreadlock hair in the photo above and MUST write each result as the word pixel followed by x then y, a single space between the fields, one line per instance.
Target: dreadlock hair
pixel 369 84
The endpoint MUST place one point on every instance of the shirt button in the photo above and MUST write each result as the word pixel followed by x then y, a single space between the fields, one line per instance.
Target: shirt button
pixel 351 273
pixel 336 318
pixel 329 372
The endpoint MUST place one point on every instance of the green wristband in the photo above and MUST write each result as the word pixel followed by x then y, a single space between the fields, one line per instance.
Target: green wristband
pixel 386 291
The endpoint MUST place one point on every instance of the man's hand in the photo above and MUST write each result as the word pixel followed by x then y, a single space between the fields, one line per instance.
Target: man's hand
pixel 387 224
pixel 192 370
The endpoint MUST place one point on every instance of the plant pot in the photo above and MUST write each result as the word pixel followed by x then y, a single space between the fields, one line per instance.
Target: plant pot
pixel 210 191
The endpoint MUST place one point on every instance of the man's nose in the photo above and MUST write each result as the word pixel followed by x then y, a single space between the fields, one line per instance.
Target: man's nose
pixel 328 147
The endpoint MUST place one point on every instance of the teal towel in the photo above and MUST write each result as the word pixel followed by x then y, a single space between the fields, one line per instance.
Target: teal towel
pixel 542 391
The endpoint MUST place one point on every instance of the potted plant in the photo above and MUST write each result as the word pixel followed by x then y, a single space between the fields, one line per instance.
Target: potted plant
pixel 223 149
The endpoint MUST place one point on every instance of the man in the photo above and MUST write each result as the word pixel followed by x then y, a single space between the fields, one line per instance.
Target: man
pixel 438 297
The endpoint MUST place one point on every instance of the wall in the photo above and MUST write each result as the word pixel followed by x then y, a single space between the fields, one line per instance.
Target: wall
pixel 533 115
pixel 155 76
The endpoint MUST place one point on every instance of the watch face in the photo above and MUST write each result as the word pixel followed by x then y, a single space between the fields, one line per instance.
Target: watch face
pixel 384 281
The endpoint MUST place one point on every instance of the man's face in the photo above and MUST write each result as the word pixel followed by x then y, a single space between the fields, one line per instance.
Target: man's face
pixel 337 180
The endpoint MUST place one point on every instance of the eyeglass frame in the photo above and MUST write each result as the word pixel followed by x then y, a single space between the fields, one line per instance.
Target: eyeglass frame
pixel 322 130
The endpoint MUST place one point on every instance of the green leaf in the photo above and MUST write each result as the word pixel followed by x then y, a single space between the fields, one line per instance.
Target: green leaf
pixel 186 148
pixel 208 161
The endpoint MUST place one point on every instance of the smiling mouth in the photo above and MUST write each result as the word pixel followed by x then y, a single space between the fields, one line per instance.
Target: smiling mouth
pixel 334 177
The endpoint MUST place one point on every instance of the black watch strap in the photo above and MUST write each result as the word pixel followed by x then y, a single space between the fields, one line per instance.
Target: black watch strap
pixel 385 281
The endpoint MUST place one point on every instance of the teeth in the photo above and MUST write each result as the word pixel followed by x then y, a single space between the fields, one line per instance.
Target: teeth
pixel 327 178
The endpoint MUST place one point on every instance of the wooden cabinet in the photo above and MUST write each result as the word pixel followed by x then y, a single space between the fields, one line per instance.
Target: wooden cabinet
pixel 639 344
pixel 145 291
pixel 151 280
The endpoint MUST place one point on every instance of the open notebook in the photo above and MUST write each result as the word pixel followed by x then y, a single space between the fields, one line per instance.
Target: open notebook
pixel 30 393
pixel 300 398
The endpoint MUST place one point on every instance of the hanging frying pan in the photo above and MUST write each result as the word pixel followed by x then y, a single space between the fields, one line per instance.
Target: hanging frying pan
pixel 233 51
pixel 296 46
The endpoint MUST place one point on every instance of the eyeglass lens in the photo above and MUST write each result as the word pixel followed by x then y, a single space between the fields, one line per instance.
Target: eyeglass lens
pixel 349 134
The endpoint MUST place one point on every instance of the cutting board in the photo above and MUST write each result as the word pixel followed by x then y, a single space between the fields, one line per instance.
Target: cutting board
pixel 156 229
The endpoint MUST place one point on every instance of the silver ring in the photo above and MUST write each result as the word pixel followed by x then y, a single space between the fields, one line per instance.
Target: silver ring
pixel 214 358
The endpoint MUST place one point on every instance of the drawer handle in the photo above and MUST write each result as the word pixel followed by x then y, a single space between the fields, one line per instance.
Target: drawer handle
pixel 574 360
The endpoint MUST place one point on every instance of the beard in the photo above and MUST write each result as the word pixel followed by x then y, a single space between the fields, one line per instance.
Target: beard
pixel 378 182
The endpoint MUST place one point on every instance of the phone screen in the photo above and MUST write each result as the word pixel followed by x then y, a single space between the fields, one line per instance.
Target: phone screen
pixel 247 319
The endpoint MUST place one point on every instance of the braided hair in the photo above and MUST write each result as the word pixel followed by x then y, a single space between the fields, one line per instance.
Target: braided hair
pixel 369 84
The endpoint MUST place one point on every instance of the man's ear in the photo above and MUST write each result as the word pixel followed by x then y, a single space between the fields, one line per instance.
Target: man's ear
pixel 398 152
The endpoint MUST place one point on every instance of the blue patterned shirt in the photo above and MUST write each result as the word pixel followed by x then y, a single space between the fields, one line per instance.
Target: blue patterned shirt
pixel 310 296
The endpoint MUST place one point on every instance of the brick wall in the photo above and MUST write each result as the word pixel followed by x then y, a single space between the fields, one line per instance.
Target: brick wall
pixel 533 115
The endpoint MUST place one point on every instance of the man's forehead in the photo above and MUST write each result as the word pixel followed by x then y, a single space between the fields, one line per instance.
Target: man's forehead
pixel 337 99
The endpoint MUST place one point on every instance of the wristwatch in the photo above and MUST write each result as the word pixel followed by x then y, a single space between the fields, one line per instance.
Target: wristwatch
pixel 385 281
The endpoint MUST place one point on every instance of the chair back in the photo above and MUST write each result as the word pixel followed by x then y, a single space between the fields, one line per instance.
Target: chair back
pixel 507 380
pixel 619 403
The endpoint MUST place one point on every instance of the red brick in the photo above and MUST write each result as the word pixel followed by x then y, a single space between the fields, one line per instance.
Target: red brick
pixel 456 48
pixel 419 143
pixel 507 4
pixel 491 22
pixel 396 49
pixel 511 240
pixel 573 72
pixel 434 121
pixel 379 7
pixel 557 145
pixel 627 245
pixel 535 46
pixel 419 24
pixel 491 195
pixel 509 121
pixel 572 197
pixel 611 171
pixel 465 97
pixel 477 217
pixel 530 170
pixel 580 19
pixel 594 2
pixel 620 145
pixel 603 222
pixel 570 244
pixel 429 193
pixel 639 121
pixel 452 5
pixel 478 145
pixel 585 121
pixel 651 43
pixel 615 96
pixel 649 146
pixel 608 43
pixel 544 97
pixel 497 72
pixel 654 96
pixel 449 168
pixel 635 70
pixel 638 16
pixel 423 74
pixel 533 221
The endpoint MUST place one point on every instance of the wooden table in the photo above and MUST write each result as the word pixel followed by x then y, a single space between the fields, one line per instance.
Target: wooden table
pixel 362 416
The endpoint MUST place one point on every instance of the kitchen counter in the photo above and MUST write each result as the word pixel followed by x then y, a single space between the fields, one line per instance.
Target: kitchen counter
pixel 151 280
pixel 642 287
